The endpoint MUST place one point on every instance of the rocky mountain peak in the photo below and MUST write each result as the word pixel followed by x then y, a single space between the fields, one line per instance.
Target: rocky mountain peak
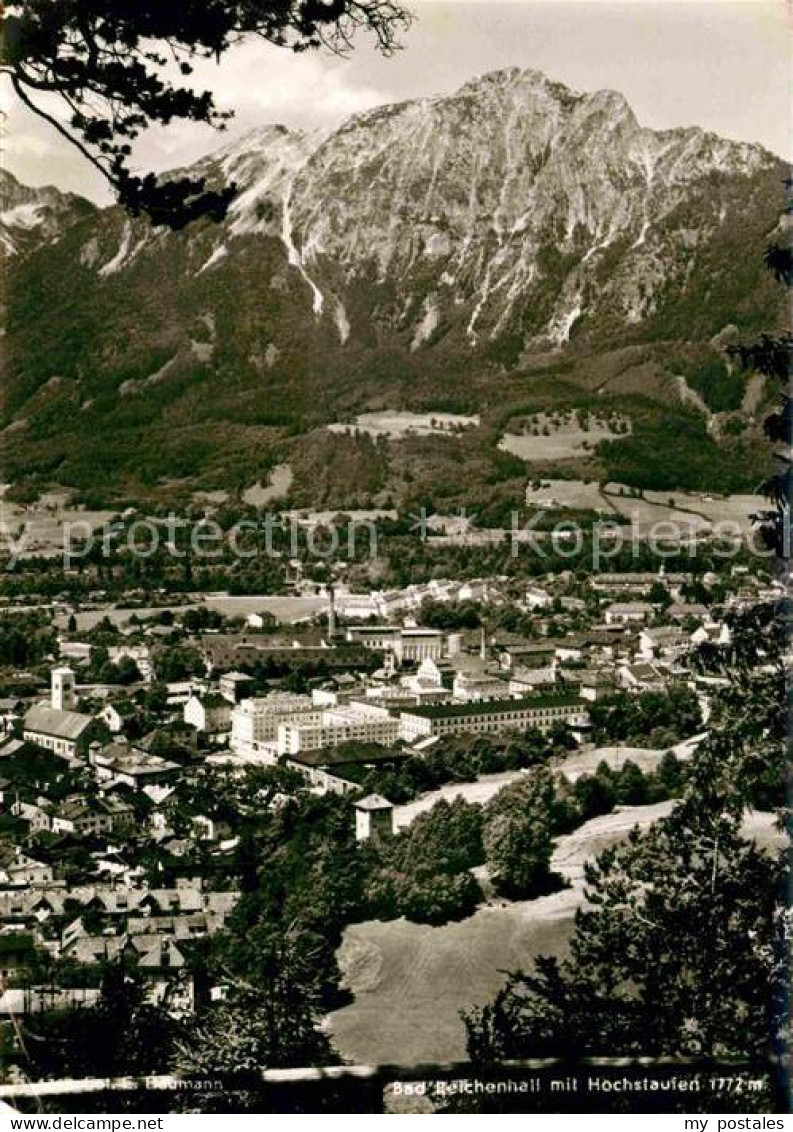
pixel 30 217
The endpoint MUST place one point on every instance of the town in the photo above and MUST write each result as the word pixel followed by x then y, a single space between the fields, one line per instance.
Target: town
pixel 139 745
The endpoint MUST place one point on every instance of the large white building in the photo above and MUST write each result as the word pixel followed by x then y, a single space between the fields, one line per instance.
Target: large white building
pixel 256 721
pixel 411 644
pixel 364 723
pixel 493 717
pixel 470 687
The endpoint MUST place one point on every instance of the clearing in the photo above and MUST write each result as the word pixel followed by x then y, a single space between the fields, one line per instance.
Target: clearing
pixel 545 436
pixel 411 981
pixel 396 425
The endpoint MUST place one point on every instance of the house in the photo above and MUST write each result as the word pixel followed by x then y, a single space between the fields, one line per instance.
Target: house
pixel 642 677
pixel 665 640
pixel 210 714
pixel 17 952
pixel 82 818
pixel 524 681
pixel 596 683
pixel 140 654
pixel 206 828
pixel 682 611
pixel 527 655
pixel 714 634
pixel 27 872
pixel 79 651
pixel 115 718
pixel 535 598
pixel 38 815
pixel 472 686
pixel 235 686
pixel 129 765
pixel 629 613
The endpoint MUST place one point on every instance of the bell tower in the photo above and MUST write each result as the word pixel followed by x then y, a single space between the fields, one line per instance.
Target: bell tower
pixel 63 689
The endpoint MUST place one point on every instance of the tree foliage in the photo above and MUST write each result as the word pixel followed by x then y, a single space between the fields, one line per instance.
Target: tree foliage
pixel 119 66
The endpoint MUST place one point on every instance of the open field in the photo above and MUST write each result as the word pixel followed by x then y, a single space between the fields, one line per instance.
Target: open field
pixel 277 486
pixel 42 528
pixel 412 980
pixel 398 424
pixel 580 763
pixel 574 495
pixel 572 766
pixel 564 441
pixel 287 609
pixel 689 511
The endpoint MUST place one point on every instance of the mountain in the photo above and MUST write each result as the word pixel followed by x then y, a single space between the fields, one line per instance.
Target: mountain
pixel 512 247
pixel 30 217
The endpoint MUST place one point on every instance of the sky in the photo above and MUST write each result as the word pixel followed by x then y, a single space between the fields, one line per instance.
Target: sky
pixel 720 64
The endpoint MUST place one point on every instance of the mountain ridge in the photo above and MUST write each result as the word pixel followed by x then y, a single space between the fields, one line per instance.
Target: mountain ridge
pixel 422 252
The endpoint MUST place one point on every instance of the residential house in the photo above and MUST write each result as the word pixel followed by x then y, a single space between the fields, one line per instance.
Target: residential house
pixel 209 714
pixel 629 613
pixel 81 818
pixel 662 641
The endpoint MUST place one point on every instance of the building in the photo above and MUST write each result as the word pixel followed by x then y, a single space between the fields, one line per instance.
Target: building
pixel 256 721
pixel 64 697
pixel 374 818
pixel 638 583
pixel 362 723
pixel 222 651
pixel 524 681
pixel 65 733
pixel 494 717
pixel 57 726
pixel 473 686
pixel 408 644
pixel 665 640
pixel 127 765
pixel 114 718
pixel 527 655
pixel 596 683
pixel 537 599
pixel 341 771
pixel 642 677
pixel 210 714
pixel 235 686
pixel 629 613
pixel 82 819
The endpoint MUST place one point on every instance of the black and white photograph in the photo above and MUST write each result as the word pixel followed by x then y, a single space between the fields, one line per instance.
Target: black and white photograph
pixel 395 469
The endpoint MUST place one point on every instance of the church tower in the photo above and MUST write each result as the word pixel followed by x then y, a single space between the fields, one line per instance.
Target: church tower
pixel 63 693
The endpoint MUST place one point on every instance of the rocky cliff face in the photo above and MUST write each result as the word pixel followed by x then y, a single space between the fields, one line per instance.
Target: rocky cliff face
pixel 503 202
pixel 411 248
pixel 513 205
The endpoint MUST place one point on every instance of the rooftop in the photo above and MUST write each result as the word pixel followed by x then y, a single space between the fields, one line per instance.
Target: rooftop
pixel 374 802
pixel 60 724
pixel 492 707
